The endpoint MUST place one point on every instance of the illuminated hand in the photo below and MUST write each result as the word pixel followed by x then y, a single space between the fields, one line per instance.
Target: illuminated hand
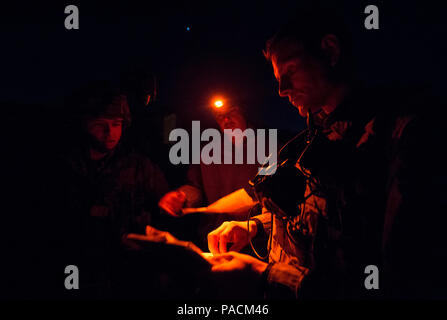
pixel 234 232
pixel 155 235
pixel 235 262
pixel 238 275
pixel 172 203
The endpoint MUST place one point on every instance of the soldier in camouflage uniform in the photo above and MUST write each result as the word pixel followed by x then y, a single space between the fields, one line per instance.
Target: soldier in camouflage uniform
pixel 375 184
pixel 103 191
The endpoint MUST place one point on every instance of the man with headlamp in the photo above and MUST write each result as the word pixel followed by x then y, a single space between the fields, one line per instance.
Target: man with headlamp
pixel 220 191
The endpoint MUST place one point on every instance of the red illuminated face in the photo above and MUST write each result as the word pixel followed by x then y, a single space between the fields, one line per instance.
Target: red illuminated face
pixel 105 132
pixel 232 119
pixel 303 79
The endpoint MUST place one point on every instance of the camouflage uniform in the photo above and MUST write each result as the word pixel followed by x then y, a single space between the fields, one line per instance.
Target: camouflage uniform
pixel 375 168
pixel 95 202
pixel 103 200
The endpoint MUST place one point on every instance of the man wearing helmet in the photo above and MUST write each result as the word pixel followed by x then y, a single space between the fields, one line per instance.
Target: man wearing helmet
pixel 102 191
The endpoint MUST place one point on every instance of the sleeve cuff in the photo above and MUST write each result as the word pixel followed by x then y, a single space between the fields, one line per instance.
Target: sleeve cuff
pixel 260 231
pixel 193 196
pixel 265 220
pixel 283 281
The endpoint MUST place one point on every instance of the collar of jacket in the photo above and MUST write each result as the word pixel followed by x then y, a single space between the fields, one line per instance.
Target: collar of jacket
pixel 79 159
pixel 350 116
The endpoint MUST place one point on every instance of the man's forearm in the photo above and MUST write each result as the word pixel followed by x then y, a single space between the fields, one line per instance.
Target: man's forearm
pixel 237 203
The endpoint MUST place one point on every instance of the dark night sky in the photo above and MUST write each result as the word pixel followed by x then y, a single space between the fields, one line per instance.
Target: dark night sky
pixel 42 61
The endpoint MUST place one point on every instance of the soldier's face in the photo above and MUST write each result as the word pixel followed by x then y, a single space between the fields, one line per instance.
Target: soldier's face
pixel 105 133
pixel 302 78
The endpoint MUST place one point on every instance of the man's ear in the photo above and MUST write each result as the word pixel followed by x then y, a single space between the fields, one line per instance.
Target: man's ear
pixel 331 48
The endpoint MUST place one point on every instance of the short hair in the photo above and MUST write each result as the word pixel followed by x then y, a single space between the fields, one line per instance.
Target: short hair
pixel 306 29
pixel 100 99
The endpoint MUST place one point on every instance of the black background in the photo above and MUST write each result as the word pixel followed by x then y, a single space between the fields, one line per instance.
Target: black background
pixel 42 61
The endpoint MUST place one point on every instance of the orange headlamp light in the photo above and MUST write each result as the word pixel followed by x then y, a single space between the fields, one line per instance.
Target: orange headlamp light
pixel 220 104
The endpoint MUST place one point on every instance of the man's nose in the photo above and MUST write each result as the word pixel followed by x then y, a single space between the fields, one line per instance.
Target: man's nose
pixel 107 129
pixel 284 87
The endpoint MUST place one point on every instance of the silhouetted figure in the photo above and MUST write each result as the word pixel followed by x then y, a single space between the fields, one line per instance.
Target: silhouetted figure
pixel 100 191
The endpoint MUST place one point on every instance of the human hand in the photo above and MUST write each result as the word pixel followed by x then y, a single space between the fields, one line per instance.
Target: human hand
pixel 237 262
pixel 155 235
pixel 234 232
pixel 172 202
pixel 239 275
